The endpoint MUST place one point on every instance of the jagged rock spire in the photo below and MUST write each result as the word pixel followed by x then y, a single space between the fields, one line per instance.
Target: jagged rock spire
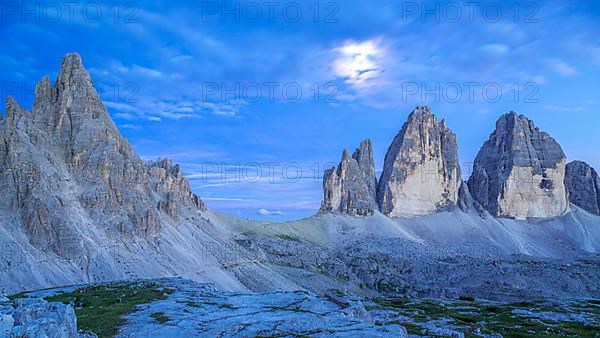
pixel 66 109
pixel 44 102
pixel 583 185
pixel 351 187
pixel 421 173
pixel 519 171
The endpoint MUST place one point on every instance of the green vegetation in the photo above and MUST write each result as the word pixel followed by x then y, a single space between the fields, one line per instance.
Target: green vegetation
pixel 17 296
pixel 338 292
pixel 474 318
pixel 288 238
pixel 192 304
pixel 160 317
pixel 101 308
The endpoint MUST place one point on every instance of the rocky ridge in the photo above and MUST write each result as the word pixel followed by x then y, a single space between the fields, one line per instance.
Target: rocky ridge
pixel 519 172
pixel 174 191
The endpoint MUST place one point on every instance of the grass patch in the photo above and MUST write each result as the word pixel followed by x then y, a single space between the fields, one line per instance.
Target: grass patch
pixel 338 292
pixel 17 296
pixel 160 317
pixel 101 308
pixel 474 318
pixel 288 238
pixel 192 304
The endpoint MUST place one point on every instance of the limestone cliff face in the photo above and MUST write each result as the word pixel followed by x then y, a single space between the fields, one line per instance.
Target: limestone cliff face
pixel 583 185
pixel 351 187
pixel 421 173
pixel 519 171
pixel 65 169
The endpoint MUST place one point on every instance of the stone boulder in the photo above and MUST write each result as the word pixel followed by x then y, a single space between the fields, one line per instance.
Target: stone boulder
pixel 519 171
pixel 34 317
pixel 421 173
pixel 351 187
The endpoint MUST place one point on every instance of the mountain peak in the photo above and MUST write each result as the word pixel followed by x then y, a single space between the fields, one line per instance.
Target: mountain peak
pixel 420 113
pixel 421 173
pixel 364 152
pixel 71 61
pixel 72 74
pixel 519 171
pixel 77 172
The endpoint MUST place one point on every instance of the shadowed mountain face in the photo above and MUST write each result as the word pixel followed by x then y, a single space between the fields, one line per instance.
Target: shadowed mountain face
pixel 583 185
pixel 65 166
pixel 519 171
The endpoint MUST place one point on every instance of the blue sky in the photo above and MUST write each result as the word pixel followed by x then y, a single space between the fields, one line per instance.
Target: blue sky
pixel 168 74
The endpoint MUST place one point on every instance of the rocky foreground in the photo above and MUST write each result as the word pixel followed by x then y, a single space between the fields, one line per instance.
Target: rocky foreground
pixel 175 307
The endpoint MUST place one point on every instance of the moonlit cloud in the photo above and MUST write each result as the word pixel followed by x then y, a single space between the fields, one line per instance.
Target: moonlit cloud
pixel 359 63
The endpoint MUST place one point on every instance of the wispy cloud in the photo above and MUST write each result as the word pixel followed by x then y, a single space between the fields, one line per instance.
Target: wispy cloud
pixel 561 67
pixel 130 126
pixel 563 108
pixel 265 212
pixel 151 110
pixel 495 49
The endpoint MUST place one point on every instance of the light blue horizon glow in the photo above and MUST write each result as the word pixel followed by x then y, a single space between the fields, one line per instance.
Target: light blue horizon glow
pixel 156 75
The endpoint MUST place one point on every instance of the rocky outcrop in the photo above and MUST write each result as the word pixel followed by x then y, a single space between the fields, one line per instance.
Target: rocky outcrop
pixel 34 317
pixel 351 187
pixel 66 171
pixel 519 171
pixel 583 185
pixel 421 173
